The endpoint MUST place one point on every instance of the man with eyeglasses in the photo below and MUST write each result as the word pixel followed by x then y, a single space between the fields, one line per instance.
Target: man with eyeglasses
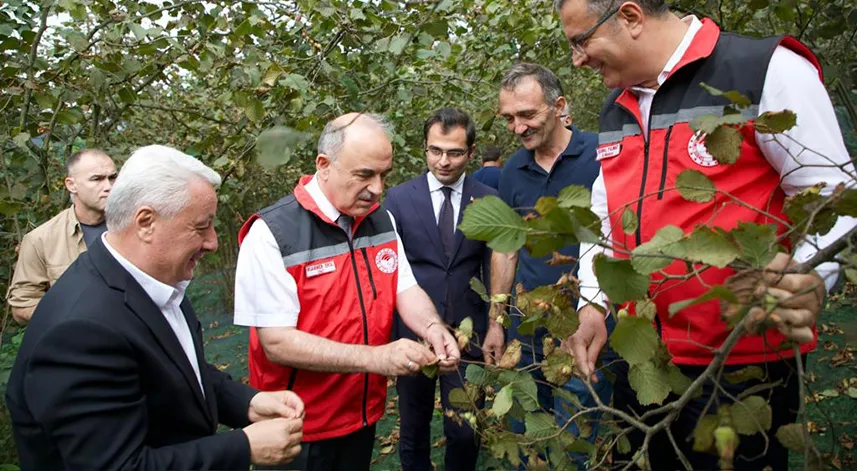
pixel 553 157
pixel 319 274
pixel 657 63
pixel 427 210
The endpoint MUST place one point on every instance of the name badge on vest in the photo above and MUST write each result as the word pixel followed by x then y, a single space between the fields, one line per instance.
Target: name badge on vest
pixel 608 151
pixel 320 269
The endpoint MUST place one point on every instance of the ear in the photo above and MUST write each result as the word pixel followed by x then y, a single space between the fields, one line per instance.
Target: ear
pixel 631 15
pixel 559 106
pixel 322 166
pixel 144 223
pixel 472 152
pixel 70 185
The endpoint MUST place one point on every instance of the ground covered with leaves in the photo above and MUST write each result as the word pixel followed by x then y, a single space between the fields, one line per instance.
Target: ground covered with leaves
pixel 832 388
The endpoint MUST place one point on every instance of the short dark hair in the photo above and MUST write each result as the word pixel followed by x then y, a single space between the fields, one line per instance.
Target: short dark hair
pixel 551 86
pixel 450 118
pixel 75 158
pixel 491 154
pixel 600 7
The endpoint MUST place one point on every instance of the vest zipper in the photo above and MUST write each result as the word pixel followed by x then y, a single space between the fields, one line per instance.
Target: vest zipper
pixel 664 166
pixel 365 328
pixel 369 270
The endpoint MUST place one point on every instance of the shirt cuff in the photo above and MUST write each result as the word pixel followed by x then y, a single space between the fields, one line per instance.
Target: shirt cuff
pixel 267 320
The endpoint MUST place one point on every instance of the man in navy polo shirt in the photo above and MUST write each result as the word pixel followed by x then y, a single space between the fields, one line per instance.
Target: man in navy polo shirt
pixel 553 156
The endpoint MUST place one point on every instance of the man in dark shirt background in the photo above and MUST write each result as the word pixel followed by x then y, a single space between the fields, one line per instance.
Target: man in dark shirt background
pixel 492 165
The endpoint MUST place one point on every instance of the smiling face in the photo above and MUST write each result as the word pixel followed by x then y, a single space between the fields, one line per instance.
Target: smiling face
pixel 528 115
pixel 447 154
pixel 353 181
pixel 177 243
pixel 609 50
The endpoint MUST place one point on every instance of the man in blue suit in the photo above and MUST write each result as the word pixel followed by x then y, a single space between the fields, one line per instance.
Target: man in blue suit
pixel 427 211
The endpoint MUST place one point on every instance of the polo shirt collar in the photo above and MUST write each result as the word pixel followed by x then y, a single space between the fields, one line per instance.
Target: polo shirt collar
pixel 72 225
pixel 575 148
pixel 161 294
pixel 435 185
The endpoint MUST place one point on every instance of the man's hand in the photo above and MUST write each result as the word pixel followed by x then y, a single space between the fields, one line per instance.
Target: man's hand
pixel 275 441
pixel 445 347
pixel 400 358
pixel 493 346
pixel 790 303
pixel 586 344
pixel 273 404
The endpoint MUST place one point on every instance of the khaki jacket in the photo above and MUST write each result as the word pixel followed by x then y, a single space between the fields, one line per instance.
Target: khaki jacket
pixel 45 253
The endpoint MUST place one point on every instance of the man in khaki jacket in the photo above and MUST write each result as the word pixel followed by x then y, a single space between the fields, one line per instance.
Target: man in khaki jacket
pixel 49 249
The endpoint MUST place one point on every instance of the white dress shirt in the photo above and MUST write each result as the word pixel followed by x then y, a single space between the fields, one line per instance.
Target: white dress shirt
pixel 437 197
pixel 168 299
pixel 792 83
pixel 266 295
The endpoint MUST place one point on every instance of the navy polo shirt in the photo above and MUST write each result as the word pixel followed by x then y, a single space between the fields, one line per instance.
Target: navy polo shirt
pixel 488 176
pixel 523 182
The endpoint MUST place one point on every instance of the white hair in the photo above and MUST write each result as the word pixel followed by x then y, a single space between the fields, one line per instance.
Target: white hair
pixel 333 135
pixel 156 176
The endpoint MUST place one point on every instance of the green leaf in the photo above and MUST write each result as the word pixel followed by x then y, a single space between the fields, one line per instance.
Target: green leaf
pixel 466 326
pixel 459 399
pixel 703 434
pixel 275 146
pixel 558 367
pixel 357 14
pixel 127 96
pixel 562 324
pixel 443 48
pixel 502 401
pixel 710 247
pixel 540 425
pixel 619 280
pixel 430 370
pixel 489 219
pixel 296 82
pixel 255 110
pixel 646 309
pixel 776 122
pixel 21 139
pixel 717 292
pixel 398 44
pixel 752 415
pixel 694 186
pixel 846 204
pixel 635 339
pixel 736 97
pixel 505 445
pixel 526 391
pixel 666 242
pixel 758 243
pixel 244 28
pixel 791 436
pixel 809 203
pixel 629 221
pixel 139 32
pixel 744 374
pixel 221 162
pixel 724 144
pixel 475 374
pixel 546 204
pixel 650 382
pixel 574 196
pixel 677 380
pixel 477 286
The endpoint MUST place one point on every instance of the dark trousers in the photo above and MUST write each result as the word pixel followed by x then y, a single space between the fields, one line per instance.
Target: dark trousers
pixel 750 455
pixel 416 407
pixel 352 452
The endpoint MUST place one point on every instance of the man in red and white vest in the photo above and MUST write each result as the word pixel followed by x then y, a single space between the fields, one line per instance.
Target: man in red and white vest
pixel 319 274
pixel 655 62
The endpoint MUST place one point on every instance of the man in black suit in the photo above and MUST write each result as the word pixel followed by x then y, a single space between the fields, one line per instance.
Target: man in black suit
pixel 443 261
pixel 111 372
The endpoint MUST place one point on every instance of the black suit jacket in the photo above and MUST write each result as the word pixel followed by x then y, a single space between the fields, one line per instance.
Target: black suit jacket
pixel 447 282
pixel 101 382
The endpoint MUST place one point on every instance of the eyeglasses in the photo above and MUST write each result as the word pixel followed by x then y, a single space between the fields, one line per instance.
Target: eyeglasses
pixel 452 154
pixel 578 43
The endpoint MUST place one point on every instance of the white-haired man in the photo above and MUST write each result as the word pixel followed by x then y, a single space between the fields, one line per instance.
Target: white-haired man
pixel 319 274
pixel 111 372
